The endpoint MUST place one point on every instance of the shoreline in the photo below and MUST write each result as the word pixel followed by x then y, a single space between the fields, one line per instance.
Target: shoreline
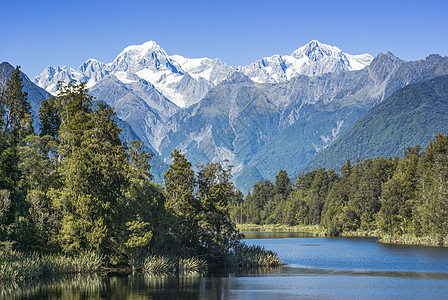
pixel 319 231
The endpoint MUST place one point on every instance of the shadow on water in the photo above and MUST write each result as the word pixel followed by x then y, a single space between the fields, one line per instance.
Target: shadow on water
pixel 127 286
pixel 65 287
pixel 326 268
pixel 106 287
pixel 276 235
pixel 292 270
pixel 245 284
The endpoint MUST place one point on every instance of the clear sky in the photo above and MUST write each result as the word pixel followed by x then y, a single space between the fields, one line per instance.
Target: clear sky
pixel 39 33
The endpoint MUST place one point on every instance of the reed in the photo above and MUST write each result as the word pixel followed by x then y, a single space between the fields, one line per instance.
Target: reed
pixel 19 267
pixel 361 233
pixel 426 240
pixel 244 256
pixel 192 266
pixel 158 265
pixel 314 229
pixel 161 265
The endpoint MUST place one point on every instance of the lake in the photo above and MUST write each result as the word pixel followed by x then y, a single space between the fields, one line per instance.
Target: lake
pixel 315 268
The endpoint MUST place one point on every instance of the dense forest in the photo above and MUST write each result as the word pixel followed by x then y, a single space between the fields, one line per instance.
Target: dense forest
pixel 76 187
pixel 392 197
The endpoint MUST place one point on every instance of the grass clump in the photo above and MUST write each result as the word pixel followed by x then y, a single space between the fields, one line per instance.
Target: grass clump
pixel 316 230
pixel 245 256
pixel 18 267
pixel 158 265
pixel 161 265
pixel 426 240
pixel 191 266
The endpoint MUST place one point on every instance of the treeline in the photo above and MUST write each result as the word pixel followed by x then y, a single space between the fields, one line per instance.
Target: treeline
pixel 405 196
pixel 75 187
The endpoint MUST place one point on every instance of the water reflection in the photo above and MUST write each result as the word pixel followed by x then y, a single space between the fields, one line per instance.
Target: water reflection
pixel 339 268
pixel 67 287
pixel 293 270
pixel 276 235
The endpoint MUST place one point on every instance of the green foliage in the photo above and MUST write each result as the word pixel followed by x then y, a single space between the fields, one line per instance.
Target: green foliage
pixel 16 118
pixel 180 183
pixel 15 125
pixel 161 265
pixel 406 197
pixel 412 115
pixel 19 267
pixel 244 256
pixel 49 117
pixel 216 192
pixel 77 187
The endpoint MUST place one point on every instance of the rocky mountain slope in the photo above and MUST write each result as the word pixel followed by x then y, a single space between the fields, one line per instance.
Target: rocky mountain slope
pixel 277 113
pixel 411 116
pixel 35 93
pixel 268 127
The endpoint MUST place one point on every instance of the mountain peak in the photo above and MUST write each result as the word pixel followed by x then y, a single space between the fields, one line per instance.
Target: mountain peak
pixel 383 57
pixel 149 45
pixel 316 50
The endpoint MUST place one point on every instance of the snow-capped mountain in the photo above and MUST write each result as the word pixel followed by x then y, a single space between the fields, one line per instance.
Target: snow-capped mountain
pixel 212 70
pixel 313 59
pixel 277 115
pixel 49 78
pixel 184 81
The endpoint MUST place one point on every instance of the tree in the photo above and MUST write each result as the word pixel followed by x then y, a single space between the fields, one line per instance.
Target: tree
pixel 15 125
pixel 433 207
pixel 17 121
pixel 49 117
pixel 180 201
pixel 217 230
pixel 94 167
pixel 143 207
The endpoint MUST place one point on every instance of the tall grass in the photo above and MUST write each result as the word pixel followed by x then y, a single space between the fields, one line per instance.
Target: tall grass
pixel 316 230
pixel 19 267
pixel 161 265
pixel 427 240
pixel 244 256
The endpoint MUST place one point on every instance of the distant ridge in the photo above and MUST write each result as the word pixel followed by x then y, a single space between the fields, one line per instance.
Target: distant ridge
pixel 411 116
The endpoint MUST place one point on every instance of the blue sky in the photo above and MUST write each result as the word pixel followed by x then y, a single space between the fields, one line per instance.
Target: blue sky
pixel 35 34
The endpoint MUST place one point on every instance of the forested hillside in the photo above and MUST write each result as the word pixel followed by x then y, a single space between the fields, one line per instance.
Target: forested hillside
pixel 410 116
pixel 396 197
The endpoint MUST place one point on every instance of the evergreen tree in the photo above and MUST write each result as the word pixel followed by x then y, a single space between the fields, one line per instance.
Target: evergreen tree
pixel 180 201
pixel 16 124
pixel 217 230
pixel 94 168
pixel 49 117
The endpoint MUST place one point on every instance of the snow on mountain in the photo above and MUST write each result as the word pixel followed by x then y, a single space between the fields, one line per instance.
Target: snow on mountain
pixel 313 59
pixel 212 70
pixel 151 63
pixel 49 78
pixel 146 56
pixel 93 71
pixel 185 81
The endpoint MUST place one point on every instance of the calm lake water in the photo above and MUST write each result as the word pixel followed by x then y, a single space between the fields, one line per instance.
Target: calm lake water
pixel 315 268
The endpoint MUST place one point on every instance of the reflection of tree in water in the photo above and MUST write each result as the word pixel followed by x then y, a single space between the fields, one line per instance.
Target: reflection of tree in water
pixel 131 287
pixel 76 287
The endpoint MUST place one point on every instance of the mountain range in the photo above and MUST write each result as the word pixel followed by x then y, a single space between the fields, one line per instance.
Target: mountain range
pixel 411 116
pixel 276 113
